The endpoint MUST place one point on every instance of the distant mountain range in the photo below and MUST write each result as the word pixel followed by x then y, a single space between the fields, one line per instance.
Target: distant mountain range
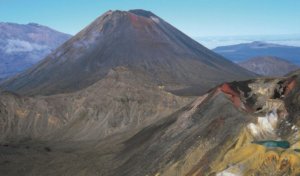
pixel 269 66
pixel 22 45
pixel 244 51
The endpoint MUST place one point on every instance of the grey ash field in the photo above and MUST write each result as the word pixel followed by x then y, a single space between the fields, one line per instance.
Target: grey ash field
pixel 132 95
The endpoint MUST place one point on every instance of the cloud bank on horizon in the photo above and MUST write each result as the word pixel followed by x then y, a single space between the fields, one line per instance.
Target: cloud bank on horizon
pixel 212 42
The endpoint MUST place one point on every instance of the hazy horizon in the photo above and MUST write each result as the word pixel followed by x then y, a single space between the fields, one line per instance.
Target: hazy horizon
pixel 212 42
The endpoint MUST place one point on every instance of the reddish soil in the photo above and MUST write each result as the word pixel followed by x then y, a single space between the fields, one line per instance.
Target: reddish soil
pixel 133 18
pixel 290 86
pixel 234 96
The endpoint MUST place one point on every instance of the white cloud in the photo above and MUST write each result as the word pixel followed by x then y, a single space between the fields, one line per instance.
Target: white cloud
pixel 16 45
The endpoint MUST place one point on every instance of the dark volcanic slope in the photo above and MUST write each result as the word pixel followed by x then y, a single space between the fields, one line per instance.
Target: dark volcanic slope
pixel 241 52
pixel 136 39
pixel 269 66
pixel 22 46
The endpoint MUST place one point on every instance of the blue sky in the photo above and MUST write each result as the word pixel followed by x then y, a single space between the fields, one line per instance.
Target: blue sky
pixel 193 17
